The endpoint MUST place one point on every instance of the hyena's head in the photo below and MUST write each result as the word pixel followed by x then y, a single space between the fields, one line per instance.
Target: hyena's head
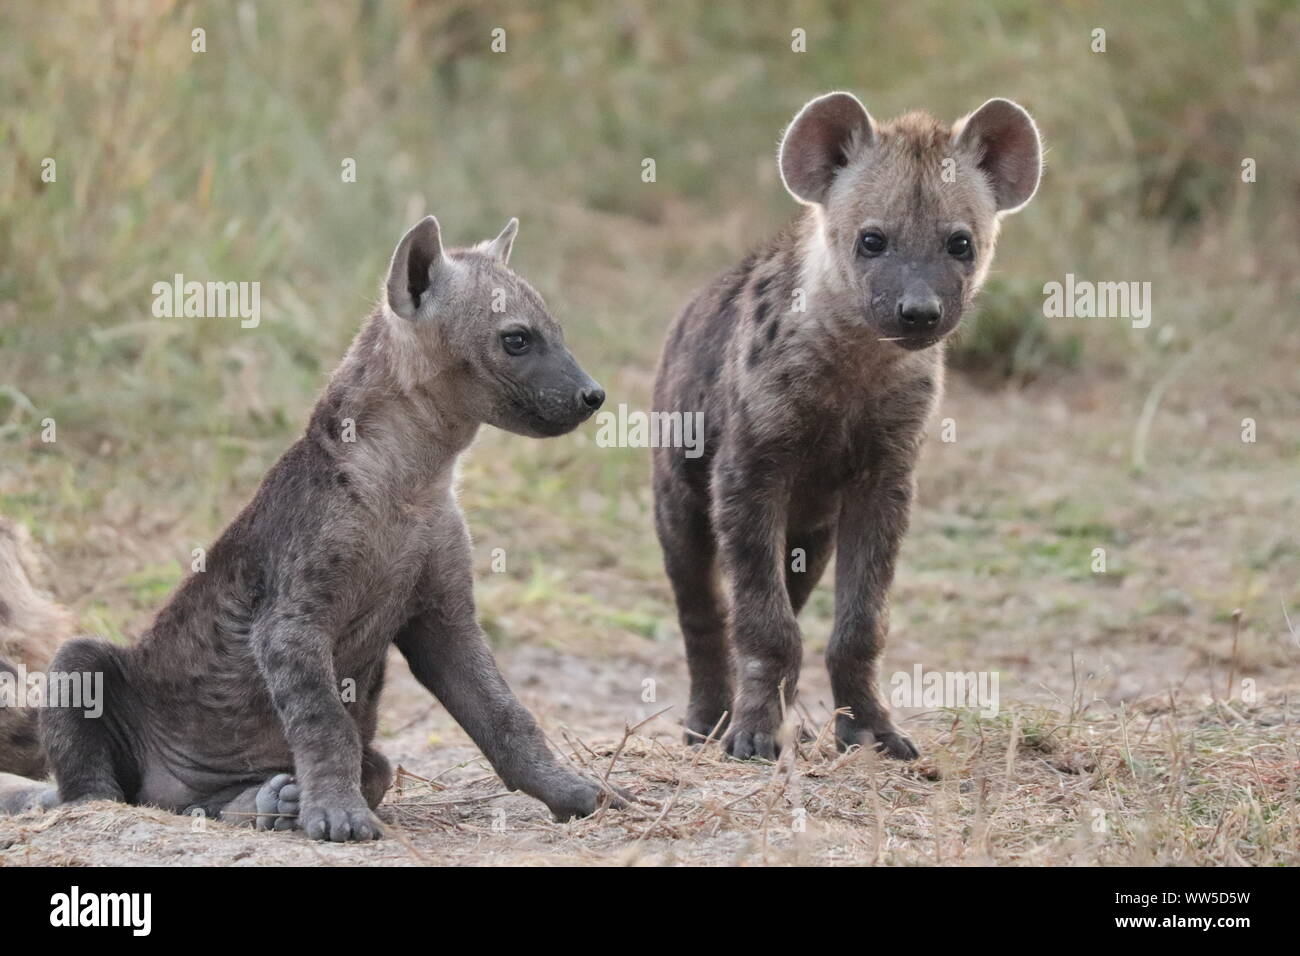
pixel 498 351
pixel 906 212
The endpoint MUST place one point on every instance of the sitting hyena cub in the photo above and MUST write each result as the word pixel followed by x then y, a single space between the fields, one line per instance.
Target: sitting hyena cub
pixel 817 363
pixel 254 696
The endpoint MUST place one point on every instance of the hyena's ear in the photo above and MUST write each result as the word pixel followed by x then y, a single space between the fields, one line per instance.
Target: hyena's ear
pixel 822 138
pixel 414 269
pixel 1005 139
pixel 500 246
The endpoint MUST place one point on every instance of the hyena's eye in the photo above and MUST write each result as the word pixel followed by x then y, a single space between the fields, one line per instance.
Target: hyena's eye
pixel 959 246
pixel 516 342
pixel 872 243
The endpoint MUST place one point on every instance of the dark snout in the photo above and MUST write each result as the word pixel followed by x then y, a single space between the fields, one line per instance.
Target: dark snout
pixel 590 397
pixel 568 402
pixel 919 313
pixel 919 320
pixel 556 396
pixel 564 407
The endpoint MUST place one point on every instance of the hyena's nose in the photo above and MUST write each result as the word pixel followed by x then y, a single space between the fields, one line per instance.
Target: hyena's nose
pixel 591 398
pixel 919 313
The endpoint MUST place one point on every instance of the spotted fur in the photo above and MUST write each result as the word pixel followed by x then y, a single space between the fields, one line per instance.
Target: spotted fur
pixel 814 416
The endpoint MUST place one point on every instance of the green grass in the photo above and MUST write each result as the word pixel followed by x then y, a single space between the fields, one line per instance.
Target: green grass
pixel 226 164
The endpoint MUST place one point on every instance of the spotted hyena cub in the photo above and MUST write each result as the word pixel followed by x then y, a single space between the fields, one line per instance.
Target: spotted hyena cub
pixel 254 697
pixel 817 363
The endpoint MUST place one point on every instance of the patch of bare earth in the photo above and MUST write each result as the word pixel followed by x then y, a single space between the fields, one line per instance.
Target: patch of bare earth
pixel 1138 721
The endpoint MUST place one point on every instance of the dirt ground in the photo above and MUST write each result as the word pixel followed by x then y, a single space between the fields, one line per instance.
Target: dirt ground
pixel 1139 722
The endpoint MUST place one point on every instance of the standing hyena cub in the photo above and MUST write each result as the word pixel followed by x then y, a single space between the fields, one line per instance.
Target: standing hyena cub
pixel 817 363
pixel 255 694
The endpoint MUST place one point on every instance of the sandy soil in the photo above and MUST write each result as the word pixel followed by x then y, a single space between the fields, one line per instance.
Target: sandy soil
pixel 1120 698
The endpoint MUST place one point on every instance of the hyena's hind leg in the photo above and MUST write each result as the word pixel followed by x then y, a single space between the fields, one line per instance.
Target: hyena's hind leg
pixel 806 555
pixel 92 753
pixel 691 560
pixel 376 776
pixel 273 805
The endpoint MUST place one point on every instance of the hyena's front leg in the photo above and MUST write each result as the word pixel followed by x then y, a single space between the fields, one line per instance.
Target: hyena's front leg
pixel 449 654
pixel 873 519
pixel 452 659
pixel 750 507
pixel 296 660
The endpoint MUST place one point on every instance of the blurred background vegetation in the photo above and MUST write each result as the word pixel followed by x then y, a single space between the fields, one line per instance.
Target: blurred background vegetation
pixel 226 165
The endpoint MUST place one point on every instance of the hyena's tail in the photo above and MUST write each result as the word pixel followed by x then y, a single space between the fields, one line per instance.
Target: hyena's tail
pixel 32 626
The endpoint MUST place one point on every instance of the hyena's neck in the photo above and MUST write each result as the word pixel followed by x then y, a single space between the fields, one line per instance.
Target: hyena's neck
pixel 389 413
pixel 826 290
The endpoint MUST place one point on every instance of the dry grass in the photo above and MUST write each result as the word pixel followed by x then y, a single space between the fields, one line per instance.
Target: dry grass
pixel 1176 780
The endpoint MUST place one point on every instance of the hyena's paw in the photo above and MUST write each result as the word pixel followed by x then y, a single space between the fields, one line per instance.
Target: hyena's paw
pixel 897 745
pixel 340 824
pixel 277 803
pixel 887 740
pixel 754 734
pixel 745 744
pixel 576 796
